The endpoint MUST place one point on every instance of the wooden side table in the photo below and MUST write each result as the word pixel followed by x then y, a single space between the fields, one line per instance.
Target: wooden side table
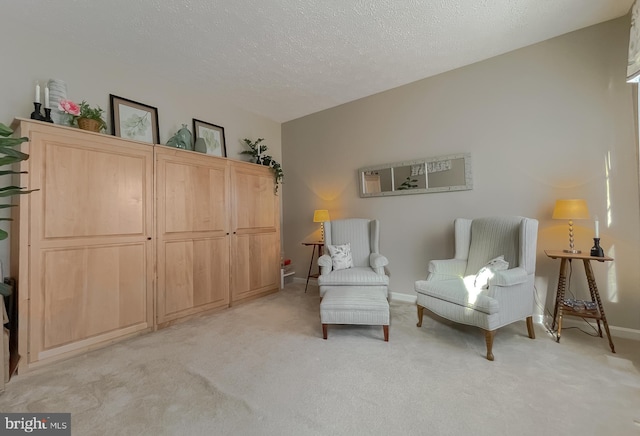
pixel 561 309
pixel 320 246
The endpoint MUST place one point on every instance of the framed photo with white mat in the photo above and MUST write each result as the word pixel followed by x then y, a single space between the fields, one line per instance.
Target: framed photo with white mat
pixel 133 120
pixel 209 138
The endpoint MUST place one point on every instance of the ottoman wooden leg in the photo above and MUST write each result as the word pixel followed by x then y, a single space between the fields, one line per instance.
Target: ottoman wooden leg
pixel 385 328
pixel 324 331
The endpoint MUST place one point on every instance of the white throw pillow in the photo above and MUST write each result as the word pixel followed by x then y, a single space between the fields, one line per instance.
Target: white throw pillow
pixel 487 271
pixel 340 256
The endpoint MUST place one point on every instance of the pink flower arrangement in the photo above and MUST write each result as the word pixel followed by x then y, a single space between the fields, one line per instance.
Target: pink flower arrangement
pixel 69 107
pixel 76 112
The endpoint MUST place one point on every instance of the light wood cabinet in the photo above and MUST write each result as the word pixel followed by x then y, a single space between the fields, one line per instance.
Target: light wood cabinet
pixel 193 233
pixel 218 226
pixel 82 249
pixel 122 237
pixel 255 223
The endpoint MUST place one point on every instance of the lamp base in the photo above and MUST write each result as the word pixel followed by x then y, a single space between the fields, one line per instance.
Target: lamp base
pixel 572 251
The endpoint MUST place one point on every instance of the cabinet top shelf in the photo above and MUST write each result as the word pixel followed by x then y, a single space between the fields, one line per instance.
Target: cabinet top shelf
pixel 18 121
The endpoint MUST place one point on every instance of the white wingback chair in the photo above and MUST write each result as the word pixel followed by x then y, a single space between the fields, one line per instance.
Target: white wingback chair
pixel 368 263
pixel 452 291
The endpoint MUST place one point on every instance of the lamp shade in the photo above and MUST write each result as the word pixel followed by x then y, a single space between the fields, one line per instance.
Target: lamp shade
pixel 575 209
pixel 320 216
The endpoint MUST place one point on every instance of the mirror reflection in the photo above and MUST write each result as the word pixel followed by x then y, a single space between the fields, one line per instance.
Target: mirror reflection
pixel 438 174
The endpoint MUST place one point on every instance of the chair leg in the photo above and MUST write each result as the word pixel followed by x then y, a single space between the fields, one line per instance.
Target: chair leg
pixel 324 331
pixel 532 333
pixel 385 329
pixel 420 312
pixel 488 336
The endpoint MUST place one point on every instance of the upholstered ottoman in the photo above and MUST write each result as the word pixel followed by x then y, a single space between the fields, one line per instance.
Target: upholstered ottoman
pixel 354 305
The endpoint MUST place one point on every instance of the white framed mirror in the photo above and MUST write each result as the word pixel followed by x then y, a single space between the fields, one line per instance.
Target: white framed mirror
pixel 421 176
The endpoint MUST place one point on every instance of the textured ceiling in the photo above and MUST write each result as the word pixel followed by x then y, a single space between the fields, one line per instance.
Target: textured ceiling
pixel 288 58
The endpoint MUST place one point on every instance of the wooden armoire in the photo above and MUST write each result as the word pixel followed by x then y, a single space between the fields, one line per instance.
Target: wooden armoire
pixel 122 237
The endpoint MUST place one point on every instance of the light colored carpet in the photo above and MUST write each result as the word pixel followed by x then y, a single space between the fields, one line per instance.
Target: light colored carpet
pixel 263 369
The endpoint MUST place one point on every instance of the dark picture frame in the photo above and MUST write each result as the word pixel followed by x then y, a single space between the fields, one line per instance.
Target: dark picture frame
pixel 133 120
pixel 209 138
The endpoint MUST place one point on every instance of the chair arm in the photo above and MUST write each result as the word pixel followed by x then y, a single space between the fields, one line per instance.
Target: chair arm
pixel 516 300
pixel 447 267
pixel 325 264
pixel 377 262
pixel 510 277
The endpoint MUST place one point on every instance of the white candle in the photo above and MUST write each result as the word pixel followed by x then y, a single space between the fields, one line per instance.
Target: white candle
pixel 46 97
pixel 596 225
pixel 37 100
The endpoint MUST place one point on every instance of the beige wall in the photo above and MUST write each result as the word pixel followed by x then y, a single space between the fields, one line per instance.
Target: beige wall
pixel 549 121
pixel 554 120
pixel 92 76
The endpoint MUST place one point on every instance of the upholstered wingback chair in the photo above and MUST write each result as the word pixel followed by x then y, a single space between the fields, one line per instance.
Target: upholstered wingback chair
pixel 477 289
pixel 363 236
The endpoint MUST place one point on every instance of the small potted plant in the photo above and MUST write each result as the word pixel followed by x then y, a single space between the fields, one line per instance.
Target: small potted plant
pixel 84 116
pixel 258 152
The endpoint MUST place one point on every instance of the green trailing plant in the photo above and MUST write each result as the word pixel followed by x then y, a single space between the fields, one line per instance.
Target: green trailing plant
pixel 8 156
pixel 258 151
pixel 409 183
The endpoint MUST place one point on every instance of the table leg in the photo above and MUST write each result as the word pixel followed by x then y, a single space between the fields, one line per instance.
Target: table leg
pixel 593 289
pixel 313 252
pixel 562 284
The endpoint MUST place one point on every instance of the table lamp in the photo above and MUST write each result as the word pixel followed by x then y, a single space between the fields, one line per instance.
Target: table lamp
pixel 320 216
pixel 575 209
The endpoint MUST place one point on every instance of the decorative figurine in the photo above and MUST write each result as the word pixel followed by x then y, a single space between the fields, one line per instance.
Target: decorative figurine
pixel 182 139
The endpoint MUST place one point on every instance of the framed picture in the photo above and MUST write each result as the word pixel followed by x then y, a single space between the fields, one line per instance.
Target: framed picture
pixel 212 136
pixel 133 120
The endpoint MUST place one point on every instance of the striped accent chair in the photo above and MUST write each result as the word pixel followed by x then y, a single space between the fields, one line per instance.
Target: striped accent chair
pixel 363 235
pixel 455 290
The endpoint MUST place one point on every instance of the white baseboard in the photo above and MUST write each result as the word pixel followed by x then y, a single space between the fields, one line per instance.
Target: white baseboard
pixel 626 333
pixel 617 332
pixel 405 298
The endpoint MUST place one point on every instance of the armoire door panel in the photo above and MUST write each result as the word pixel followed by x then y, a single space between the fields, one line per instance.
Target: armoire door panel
pixel 193 237
pixel 90 291
pixel 256 258
pixel 194 198
pixel 254 199
pixel 108 187
pixel 211 271
pixel 195 274
pixel 177 276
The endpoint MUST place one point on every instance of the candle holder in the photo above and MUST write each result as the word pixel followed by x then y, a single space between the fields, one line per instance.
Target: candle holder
pixel 596 250
pixel 47 115
pixel 36 115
